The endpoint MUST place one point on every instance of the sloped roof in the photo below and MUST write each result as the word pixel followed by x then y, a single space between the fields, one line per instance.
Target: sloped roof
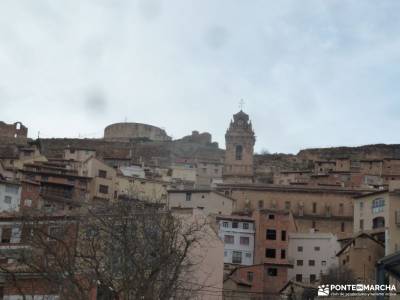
pixel 238 281
pixel 360 235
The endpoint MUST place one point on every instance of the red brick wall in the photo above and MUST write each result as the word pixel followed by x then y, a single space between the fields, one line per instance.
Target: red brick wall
pixel 281 222
pixel 30 191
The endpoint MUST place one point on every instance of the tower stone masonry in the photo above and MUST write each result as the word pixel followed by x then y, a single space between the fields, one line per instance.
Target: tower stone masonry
pixel 239 140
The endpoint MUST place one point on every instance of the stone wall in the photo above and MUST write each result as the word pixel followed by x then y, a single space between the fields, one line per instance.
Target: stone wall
pixel 16 130
pixel 150 153
pixel 199 138
pixel 127 131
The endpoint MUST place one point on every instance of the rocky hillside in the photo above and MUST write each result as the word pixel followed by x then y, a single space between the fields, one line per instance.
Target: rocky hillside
pixel 377 151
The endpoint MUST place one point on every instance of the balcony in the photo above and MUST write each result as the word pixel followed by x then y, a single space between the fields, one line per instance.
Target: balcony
pixel 56 193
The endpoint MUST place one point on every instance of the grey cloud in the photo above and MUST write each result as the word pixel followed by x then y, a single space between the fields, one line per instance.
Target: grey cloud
pixel 95 102
pixel 150 9
pixel 216 37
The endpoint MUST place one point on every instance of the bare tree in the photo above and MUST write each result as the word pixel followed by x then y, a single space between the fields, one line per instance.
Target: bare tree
pixel 124 250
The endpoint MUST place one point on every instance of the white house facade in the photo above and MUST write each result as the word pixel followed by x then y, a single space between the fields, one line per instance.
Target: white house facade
pixel 311 254
pixel 237 232
pixel 10 196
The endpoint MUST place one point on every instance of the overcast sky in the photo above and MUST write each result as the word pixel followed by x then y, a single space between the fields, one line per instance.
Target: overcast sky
pixel 311 73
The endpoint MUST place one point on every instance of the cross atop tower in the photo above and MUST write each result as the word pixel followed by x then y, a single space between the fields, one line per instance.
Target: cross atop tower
pixel 241 103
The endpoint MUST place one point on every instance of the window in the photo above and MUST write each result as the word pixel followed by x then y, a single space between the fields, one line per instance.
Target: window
pixel 272 204
pixel 283 235
pixel 7 199
pixel 188 196
pixel 378 222
pixel 311 262
pixel 103 189
pixel 225 254
pixel 236 257
pixel 244 240
pixel 270 253
pixel 12 189
pixel 260 203
pixel 299 277
pixel 271 234
pixel 317 248
pixel 229 239
pixel 323 263
pixel 287 205
pixel 271 217
pixel 245 225
pixel 283 253
pixel 328 211
pixel 272 272
pixel 361 205
pixel 239 152
pixel 313 278
pixel 102 174
pixel 378 205
pixel 248 254
pixel 225 224
pixel 235 225
pixel 55 232
pixel 313 224
pixel 299 262
pixel 314 207
pixel 342 226
pixel 6 234
pixel 91 233
pixel 300 248
pixel 250 276
pixel 341 208
pixel 28 202
pixel 361 224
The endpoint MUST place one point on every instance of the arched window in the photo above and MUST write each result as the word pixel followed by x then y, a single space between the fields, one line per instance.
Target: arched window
pixel 378 222
pixel 378 205
pixel 239 152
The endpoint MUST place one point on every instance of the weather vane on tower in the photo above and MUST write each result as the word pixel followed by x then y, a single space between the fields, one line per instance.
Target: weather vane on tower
pixel 241 103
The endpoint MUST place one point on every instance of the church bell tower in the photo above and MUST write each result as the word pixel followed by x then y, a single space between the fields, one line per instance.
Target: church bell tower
pixel 239 140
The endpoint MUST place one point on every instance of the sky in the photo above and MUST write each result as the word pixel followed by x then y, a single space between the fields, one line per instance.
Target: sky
pixel 311 73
